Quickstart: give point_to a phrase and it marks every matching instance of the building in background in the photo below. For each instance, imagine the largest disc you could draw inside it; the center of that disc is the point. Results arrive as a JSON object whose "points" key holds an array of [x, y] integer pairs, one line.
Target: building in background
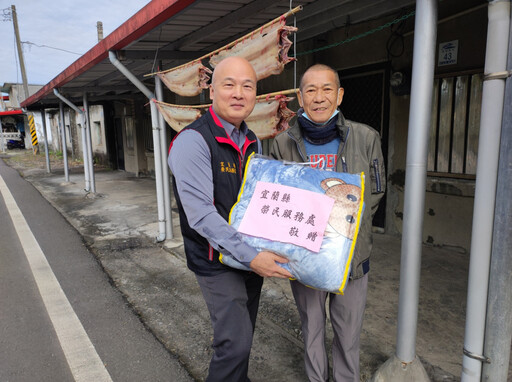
{"points": [[370, 47], [12, 117]]}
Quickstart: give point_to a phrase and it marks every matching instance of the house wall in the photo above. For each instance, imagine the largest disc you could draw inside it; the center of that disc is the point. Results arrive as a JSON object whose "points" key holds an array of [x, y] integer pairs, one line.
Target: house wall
{"points": [[52, 125], [143, 154], [17, 94], [148, 138], [54, 132], [133, 142], [144, 137], [98, 136], [72, 134], [449, 201], [74, 130]]}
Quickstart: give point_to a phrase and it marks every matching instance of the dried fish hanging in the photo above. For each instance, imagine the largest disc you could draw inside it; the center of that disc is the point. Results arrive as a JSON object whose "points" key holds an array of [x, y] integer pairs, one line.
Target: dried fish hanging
{"points": [[188, 80], [269, 117], [266, 48], [177, 116]]}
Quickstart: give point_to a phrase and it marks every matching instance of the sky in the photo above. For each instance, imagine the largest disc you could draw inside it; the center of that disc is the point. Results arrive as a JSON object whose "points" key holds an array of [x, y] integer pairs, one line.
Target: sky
{"points": [[69, 25]]}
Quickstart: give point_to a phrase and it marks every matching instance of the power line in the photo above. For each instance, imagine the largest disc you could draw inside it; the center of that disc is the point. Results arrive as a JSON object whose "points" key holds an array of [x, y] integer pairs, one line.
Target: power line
{"points": [[364, 34], [6, 14], [50, 47]]}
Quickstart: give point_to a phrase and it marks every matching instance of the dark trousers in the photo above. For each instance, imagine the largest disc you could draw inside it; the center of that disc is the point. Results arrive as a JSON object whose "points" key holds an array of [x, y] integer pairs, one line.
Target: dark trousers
{"points": [[232, 298]]}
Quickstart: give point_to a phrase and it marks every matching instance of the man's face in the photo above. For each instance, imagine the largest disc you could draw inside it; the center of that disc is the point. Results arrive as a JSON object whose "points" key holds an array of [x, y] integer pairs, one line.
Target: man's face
{"points": [[320, 95], [233, 90]]}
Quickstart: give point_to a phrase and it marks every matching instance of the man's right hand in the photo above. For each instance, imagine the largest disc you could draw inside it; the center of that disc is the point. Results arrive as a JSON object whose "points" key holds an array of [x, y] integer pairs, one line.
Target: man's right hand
{"points": [[265, 265]]}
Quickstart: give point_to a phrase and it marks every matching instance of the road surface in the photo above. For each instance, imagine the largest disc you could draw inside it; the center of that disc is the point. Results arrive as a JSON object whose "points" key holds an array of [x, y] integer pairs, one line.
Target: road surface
{"points": [[60, 317]]}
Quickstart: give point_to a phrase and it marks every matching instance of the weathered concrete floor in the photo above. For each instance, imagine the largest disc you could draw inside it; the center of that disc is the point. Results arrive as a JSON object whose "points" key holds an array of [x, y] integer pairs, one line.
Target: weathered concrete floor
{"points": [[119, 225]]}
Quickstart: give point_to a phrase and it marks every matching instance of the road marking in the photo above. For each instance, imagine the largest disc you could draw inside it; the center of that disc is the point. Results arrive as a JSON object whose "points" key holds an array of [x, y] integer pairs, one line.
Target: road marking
{"points": [[83, 360]]}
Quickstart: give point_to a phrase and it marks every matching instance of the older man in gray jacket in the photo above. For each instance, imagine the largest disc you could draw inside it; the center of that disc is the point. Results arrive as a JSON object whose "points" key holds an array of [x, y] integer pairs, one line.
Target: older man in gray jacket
{"points": [[322, 136]]}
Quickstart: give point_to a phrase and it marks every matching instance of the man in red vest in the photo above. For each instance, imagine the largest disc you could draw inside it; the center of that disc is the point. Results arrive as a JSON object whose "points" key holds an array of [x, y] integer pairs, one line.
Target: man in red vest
{"points": [[207, 160]]}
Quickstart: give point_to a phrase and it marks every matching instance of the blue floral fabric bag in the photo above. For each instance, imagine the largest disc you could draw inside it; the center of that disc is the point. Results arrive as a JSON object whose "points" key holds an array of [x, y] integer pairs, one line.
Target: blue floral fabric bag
{"points": [[328, 268]]}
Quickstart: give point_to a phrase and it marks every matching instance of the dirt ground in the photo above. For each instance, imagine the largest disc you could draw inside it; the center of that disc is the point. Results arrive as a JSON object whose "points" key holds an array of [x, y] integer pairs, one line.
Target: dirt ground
{"points": [[443, 284]]}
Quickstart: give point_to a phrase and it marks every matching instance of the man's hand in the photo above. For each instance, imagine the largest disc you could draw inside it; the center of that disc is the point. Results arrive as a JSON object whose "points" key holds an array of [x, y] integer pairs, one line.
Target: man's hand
{"points": [[265, 265]]}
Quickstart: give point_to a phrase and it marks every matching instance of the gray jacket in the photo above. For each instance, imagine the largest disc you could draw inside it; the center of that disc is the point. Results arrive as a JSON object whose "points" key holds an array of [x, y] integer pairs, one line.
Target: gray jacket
{"points": [[359, 151]]}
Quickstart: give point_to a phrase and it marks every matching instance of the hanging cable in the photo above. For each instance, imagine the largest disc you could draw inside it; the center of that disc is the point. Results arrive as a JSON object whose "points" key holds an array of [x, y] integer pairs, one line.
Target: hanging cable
{"points": [[49, 47], [156, 52], [361, 35], [395, 44], [6, 14], [294, 48]]}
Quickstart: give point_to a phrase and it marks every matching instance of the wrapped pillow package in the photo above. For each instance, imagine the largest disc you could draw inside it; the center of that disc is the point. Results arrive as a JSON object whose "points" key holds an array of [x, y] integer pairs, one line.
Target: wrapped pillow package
{"points": [[307, 215]]}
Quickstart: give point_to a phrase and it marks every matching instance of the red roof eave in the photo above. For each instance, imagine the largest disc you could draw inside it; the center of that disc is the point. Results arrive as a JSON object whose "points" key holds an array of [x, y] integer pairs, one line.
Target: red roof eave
{"points": [[145, 20], [11, 112]]}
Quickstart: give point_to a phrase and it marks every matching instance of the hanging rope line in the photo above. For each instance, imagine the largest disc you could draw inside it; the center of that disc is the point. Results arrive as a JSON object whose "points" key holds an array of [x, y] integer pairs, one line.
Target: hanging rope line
{"points": [[294, 48], [265, 97], [50, 47], [6, 14], [361, 35], [233, 43]]}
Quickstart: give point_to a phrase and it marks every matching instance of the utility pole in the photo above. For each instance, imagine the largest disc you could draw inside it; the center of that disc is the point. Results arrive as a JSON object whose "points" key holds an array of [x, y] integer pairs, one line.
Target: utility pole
{"points": [[2, 144], [99, 28], [20, 51]]}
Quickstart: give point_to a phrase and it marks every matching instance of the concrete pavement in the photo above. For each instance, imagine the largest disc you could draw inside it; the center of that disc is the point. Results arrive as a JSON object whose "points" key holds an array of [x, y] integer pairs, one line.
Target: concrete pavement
{"points": [[119, 224]]}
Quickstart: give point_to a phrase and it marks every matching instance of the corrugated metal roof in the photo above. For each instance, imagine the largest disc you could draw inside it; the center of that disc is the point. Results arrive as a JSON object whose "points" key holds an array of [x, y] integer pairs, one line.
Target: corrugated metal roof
{"points": [[177, 31]]}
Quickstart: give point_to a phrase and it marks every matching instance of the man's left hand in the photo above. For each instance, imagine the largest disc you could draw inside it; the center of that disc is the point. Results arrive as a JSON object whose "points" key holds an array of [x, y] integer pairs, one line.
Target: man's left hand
{"points": [[265, 265]]}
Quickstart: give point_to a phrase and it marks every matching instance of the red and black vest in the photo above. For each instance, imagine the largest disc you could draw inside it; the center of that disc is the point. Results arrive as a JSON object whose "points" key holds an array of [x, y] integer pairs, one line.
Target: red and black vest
{"points": [[228, 165]]}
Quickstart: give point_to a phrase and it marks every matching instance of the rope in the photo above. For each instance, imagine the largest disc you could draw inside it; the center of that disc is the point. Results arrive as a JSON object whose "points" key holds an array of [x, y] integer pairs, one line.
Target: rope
{"points": [[49, 47], [264, 97], [361, 35], [294, 48], [281, 19]]}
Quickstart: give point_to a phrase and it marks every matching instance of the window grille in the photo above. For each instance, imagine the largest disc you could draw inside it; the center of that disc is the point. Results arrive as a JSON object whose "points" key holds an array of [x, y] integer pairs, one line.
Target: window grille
{"points": [[453, 142], [363, 99], [147, 133]]}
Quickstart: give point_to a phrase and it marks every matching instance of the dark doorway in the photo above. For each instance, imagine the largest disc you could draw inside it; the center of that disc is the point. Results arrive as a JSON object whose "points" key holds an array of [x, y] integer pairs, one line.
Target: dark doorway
{"points": [[118, 133], [114, 137], [366, 100]]}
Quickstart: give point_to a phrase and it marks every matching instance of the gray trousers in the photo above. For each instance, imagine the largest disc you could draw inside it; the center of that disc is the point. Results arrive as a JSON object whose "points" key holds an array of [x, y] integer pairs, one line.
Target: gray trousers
{"points": [[232, 298], [346, 314]]}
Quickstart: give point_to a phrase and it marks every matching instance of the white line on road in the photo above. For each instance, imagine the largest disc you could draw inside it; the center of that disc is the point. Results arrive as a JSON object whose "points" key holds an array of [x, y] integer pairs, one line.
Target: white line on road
{"points": [[83, 360]]}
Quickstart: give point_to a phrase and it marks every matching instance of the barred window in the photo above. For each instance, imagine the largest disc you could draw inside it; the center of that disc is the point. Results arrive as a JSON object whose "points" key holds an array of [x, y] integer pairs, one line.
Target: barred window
{"points": [[453, 145], [147, 130]]}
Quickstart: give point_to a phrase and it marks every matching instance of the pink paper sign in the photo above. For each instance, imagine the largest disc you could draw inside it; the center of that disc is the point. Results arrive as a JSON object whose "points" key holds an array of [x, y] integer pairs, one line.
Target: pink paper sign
{"points": [[287, 214]]}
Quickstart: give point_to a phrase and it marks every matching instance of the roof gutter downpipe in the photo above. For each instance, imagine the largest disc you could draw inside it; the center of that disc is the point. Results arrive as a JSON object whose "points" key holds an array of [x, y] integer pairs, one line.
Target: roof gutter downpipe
{"points": [[46, 149], [498, 328], [2, 146], [165, 167], [405, 366], [84, 145], [485, 188], [88, 142], [156, 141]]}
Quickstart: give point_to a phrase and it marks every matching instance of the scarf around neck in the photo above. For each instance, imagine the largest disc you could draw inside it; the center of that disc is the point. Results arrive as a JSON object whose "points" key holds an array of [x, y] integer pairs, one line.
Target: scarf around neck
{"points": [[315, 133]]}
